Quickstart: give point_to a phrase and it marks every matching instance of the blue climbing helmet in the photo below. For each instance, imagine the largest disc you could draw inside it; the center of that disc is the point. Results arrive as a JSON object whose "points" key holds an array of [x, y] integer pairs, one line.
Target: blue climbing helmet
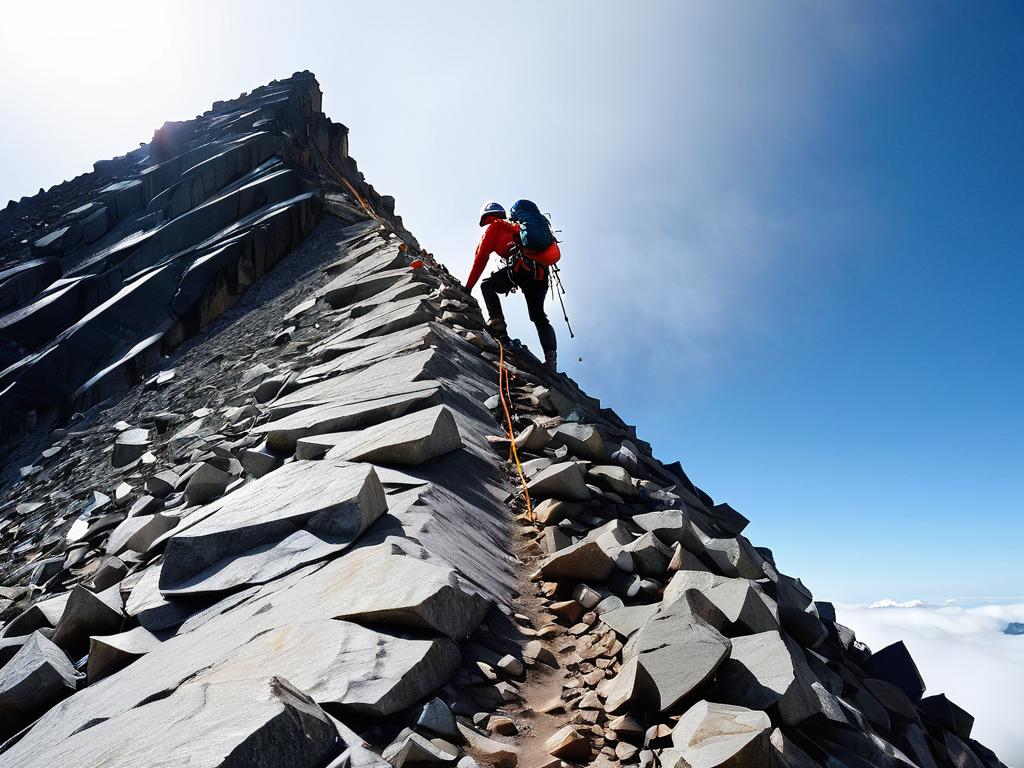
{"points": [[491, 208]]}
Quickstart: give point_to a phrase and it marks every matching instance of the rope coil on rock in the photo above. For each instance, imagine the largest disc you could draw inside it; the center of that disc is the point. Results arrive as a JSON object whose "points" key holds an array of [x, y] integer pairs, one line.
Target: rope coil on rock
{"points": [[502, 389]]}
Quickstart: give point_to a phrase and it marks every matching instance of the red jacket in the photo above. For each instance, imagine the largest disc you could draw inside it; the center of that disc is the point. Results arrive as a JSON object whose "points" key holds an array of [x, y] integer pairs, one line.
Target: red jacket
{"points": [[499, 237]]}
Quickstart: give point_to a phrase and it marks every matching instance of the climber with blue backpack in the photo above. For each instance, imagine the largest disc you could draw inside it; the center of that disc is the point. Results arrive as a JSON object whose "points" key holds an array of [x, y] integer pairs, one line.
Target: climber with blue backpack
{"points": [[526, 244]]}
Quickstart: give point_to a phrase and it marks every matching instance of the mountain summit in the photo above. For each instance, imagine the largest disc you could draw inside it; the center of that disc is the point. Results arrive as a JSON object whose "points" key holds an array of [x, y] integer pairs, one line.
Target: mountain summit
{"points": [[275, 497]]}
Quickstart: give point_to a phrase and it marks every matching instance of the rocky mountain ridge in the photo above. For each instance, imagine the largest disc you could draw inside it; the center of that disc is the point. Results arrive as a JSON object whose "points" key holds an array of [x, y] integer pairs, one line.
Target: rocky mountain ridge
{"points": [[268, 516]]}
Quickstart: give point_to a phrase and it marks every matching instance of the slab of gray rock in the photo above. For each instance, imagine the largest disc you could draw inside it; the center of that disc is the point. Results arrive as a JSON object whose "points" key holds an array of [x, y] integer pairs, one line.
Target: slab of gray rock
{"points": [[436, 717], [259, 723], [728, 519], [671, 526], [758, 672], [560, 481], [412, 748], [582, 440], [724, 602], [138, 533], [301, 513], [110, 653], [37, 676], [584, 561], [647, 556], [358, 669], [944, 712], [420, 595], [712, 735], [162, 484], [895, 665], [409, 440], [613, 478], [88, 613], [206, 483], [129, 447], [676, 653], [628, 619]]}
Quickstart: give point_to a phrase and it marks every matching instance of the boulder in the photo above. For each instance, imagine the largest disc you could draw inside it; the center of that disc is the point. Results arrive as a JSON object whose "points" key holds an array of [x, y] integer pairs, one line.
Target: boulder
{"points": [[163, 484], [301, 513], [582, 440], [411, 748], [672, 634], [436, 717], [261, 723], [758, 672], [129, 447], [206, 483], [895, 665], [568, 744], [37, 677], [137, 534], [583, 561], [647, 555], [409, 440], [109, 653], [338, 662], [895, 700], [728, 604], [553, 511], [89, 613], [613, 478], [944, 712], [628, 619], [728, 519], [719, 736], [560, 481], [533, 439]]}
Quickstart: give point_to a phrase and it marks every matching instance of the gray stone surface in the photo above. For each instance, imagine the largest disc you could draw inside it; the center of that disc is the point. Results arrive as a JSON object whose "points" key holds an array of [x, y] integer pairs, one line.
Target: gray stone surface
{"points": [[265, 722], [87, 613], [206, 483], [409, 440], [436, 717], [719, 736], [944, 712], [895, 665], [129, 446], [612, 478], [671, 635], [582, 440], [723, 601], [584, 561], [298, 514], [109, 653], [758, 672], [560, 481], [36, 677]]}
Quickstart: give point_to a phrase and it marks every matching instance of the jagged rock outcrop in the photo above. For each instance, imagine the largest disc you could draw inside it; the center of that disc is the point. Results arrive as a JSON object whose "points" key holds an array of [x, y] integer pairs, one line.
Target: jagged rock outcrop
{"points": [[298, 541]]}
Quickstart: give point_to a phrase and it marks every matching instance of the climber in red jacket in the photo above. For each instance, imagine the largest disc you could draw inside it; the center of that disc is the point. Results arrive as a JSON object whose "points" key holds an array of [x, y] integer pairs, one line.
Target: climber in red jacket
{"points": [[523, 269]]}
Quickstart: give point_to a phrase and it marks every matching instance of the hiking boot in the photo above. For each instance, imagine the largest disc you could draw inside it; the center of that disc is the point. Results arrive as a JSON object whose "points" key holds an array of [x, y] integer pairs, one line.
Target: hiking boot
{"points": [[551, 361], [498, 328]]}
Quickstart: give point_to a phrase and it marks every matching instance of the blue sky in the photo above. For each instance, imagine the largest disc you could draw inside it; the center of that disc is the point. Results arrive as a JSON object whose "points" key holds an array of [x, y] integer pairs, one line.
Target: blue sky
{"points": [[792, 231]]}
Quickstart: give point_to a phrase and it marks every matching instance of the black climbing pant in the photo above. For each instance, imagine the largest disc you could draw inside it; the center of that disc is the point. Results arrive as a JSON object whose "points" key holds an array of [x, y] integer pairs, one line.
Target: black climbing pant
{"points": [[503, 282]]}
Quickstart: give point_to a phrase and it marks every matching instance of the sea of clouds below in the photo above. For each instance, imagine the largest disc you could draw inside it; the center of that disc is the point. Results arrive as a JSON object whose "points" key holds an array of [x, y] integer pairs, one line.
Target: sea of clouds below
{"points": [[962, 651]]}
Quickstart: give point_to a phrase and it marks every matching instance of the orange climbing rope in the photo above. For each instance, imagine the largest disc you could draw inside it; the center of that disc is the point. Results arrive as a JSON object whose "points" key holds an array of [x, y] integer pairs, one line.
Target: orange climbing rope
{"points": [[502, 385]]}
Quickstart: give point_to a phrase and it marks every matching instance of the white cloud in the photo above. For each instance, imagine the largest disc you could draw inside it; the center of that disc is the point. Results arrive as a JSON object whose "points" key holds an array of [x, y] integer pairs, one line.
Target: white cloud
{"points": [[962, 652]]}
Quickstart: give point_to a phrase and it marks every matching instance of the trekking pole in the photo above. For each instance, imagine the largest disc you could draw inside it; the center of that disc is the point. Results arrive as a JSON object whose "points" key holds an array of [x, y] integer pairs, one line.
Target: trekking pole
{"points": [[561, 291]]}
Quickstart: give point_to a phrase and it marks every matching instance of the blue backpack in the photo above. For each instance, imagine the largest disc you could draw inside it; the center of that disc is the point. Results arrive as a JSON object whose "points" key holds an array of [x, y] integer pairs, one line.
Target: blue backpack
{"points": [[534, 228]]}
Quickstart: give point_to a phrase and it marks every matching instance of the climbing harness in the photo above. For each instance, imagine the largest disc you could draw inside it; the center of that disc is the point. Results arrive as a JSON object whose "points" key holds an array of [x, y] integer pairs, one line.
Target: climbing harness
{"points": [[506, 397]]}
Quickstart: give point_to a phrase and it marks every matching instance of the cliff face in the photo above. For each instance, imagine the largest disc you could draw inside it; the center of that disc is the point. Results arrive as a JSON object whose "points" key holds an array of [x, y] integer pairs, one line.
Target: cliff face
{"points": [[290, 534], [102, 275]]}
